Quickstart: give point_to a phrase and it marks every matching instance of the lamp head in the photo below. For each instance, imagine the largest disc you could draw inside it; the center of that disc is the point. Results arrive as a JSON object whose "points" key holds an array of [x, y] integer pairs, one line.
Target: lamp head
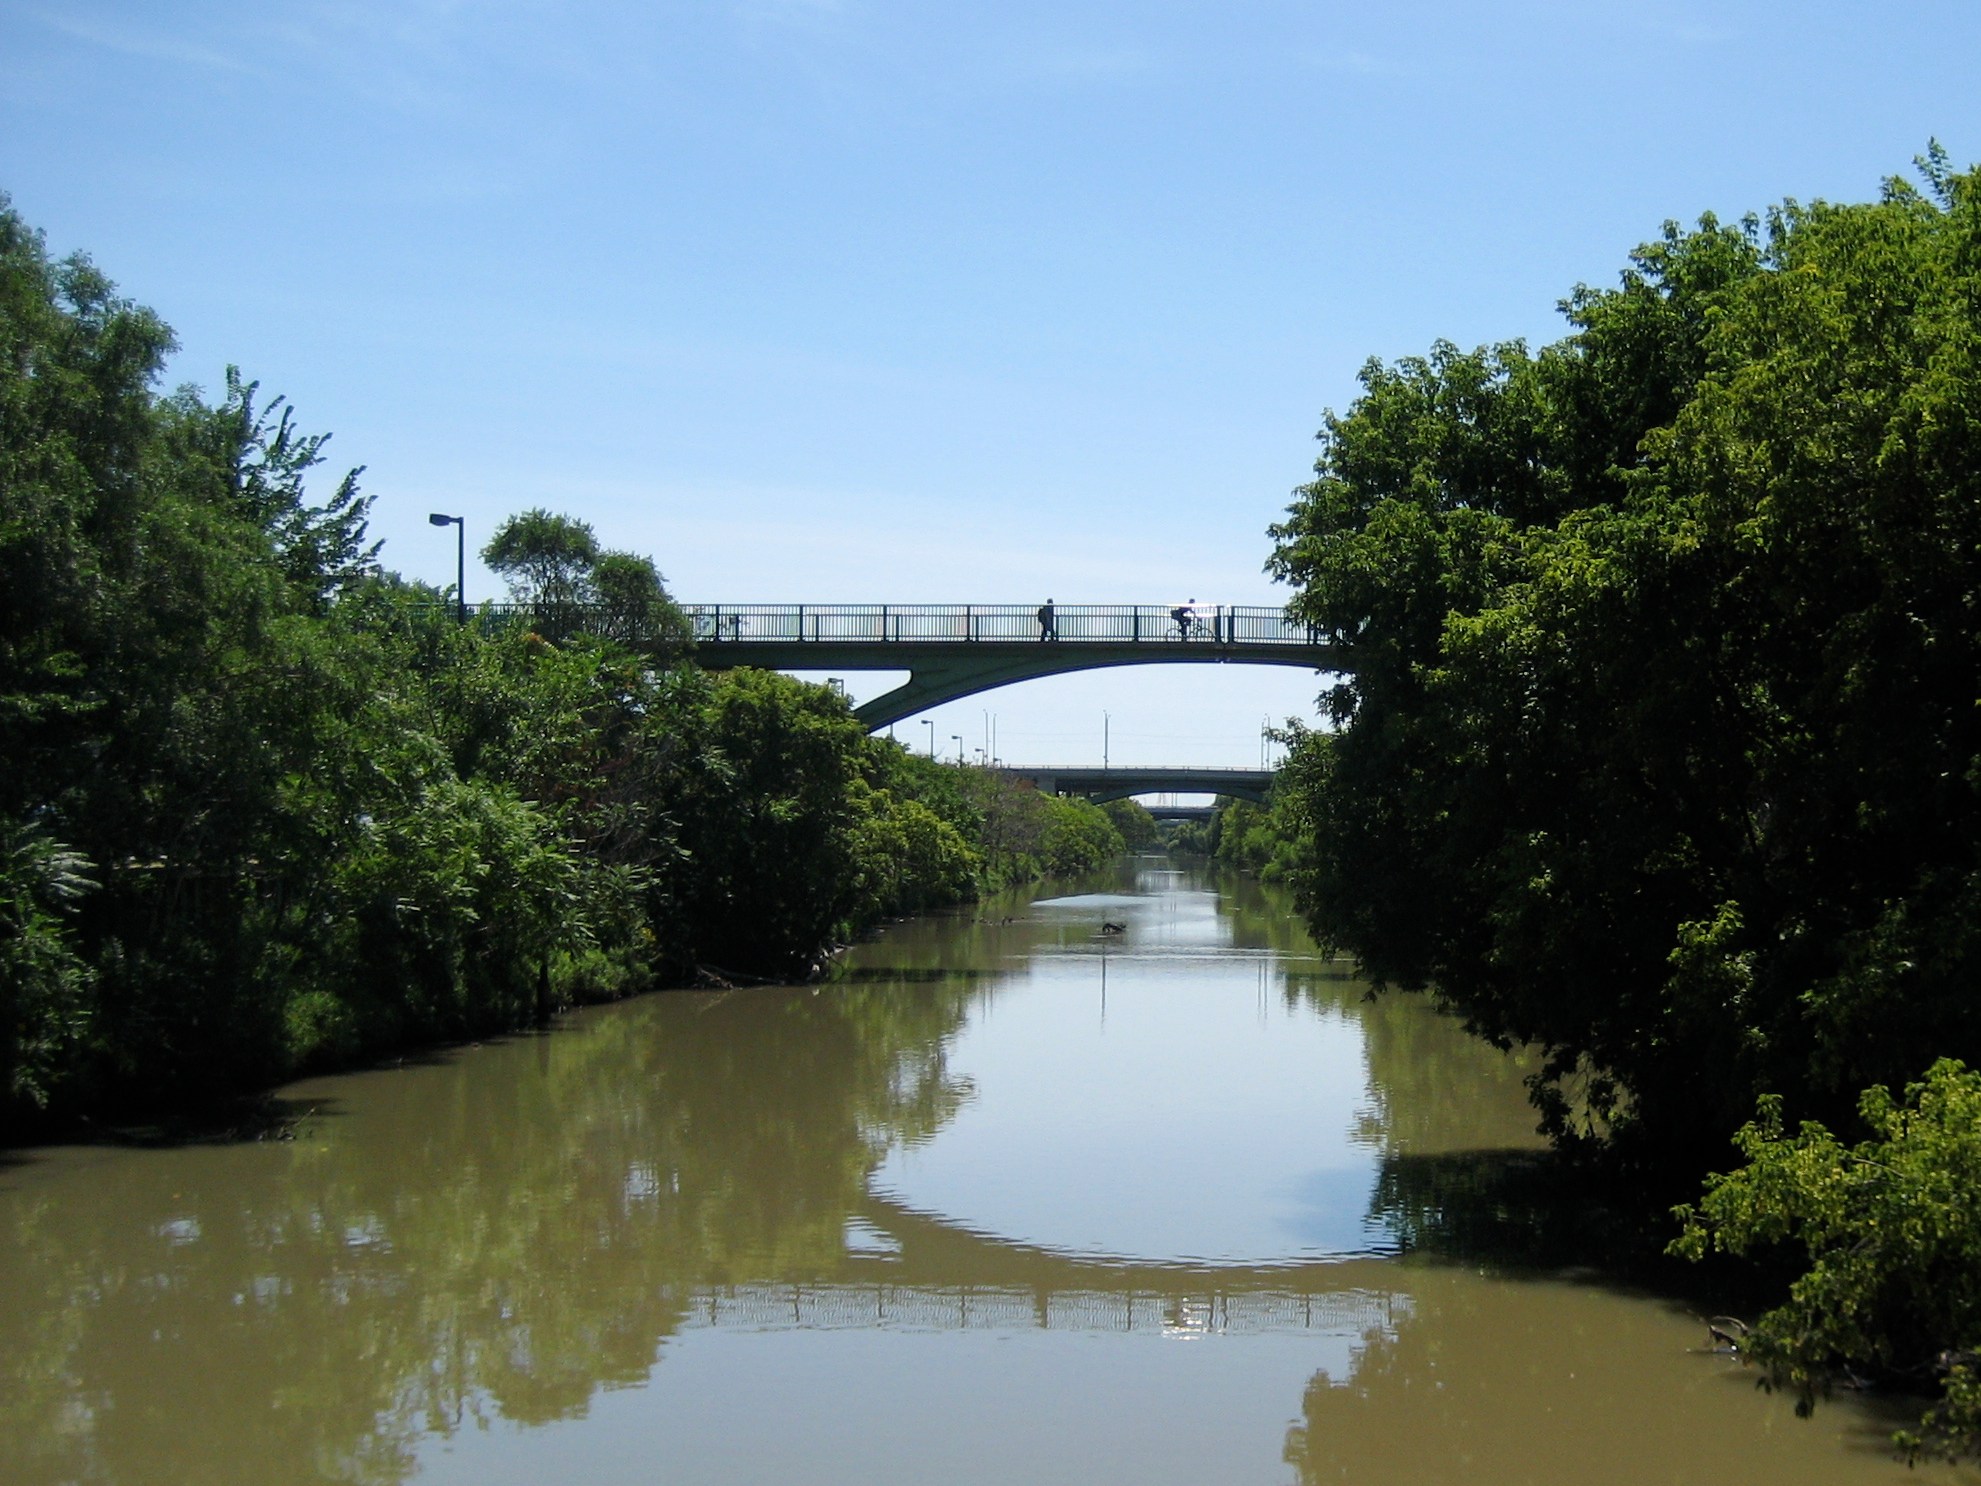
{"points": [[436, 519]]}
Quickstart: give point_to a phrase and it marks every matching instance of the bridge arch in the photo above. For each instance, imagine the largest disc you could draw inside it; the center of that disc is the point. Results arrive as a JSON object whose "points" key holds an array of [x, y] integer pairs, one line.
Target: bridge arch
{"points": [[952, 651]]}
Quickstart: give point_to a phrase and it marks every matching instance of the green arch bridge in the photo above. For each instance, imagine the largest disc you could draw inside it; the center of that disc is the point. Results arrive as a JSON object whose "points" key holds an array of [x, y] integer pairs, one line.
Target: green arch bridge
{"points": [[952, 651]]}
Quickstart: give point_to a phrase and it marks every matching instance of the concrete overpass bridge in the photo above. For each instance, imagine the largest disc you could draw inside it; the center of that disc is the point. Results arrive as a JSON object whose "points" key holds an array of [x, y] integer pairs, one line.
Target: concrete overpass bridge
{"points": [[1183, 812], [1103, 784], [953, 651]]}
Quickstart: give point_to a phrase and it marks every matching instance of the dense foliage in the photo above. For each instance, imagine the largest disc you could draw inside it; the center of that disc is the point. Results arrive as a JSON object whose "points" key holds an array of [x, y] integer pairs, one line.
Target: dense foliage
{"points": [[1661, 744], [1025, 835], [268, 807], [1661, 749], [1892, 1230], [569, 583], [1263, 839], [1138, 828]]}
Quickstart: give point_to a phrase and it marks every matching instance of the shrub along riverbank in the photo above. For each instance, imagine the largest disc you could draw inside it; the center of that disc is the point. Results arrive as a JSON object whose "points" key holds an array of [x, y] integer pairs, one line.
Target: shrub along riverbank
{"points": [[269, 808], [1662, 747]]}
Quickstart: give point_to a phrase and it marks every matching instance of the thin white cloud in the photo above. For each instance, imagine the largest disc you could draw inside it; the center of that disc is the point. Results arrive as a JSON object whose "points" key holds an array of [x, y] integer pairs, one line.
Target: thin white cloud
{"points": [[152, 45]]}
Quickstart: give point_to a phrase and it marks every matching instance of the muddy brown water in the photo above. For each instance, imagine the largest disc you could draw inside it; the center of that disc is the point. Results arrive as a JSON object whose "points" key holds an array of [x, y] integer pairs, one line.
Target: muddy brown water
{"points": [[1015, 1200]]}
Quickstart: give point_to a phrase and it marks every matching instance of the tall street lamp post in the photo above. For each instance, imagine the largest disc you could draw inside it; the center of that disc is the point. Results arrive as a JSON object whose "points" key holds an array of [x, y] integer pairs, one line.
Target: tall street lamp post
{"points": [[460, 526], [929, 723]]}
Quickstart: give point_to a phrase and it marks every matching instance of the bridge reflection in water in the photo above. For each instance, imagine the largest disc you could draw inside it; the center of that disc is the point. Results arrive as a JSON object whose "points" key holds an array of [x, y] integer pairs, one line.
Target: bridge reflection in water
{"points": [[1351, 1313], [909, 1270]]}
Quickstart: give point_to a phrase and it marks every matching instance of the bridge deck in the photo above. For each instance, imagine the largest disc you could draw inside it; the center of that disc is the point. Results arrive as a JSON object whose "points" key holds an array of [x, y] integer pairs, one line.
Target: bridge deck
{"points": [[953, 651], [956, 650], [1117, 783], [923, 624]]}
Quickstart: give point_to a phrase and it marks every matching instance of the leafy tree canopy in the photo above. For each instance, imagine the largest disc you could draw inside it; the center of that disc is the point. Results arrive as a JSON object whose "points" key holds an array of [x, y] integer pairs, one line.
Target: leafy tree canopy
{"points": [[1892, 1233], [1661, 747], [555, 565], [543, 557]]}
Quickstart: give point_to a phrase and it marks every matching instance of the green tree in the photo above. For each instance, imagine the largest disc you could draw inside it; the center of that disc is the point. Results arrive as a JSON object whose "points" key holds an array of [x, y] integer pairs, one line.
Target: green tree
{"points": [[1261, 838], [546, 559], [1077, 837], [238, 829], [322, 550], [910, 858], [555, 565], [1660, 749], [1189, 837], [633, 606], [1136, 826], [768, 821], [1891, 1227], [44, 984]]}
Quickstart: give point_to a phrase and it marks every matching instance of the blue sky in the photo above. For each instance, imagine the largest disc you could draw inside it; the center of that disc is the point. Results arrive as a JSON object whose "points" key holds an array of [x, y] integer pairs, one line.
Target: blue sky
{"points": [[862, 300]]}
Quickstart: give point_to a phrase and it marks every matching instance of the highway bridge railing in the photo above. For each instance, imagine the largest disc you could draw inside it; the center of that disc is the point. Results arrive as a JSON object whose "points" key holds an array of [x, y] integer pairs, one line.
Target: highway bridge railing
{"points": [[887, 624]]}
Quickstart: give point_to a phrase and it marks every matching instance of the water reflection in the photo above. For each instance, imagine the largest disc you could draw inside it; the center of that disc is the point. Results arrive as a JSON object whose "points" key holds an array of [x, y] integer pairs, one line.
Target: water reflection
{"points": [[501, 1235], [1560, 1381], [708, 1230], [1172, 1073]]}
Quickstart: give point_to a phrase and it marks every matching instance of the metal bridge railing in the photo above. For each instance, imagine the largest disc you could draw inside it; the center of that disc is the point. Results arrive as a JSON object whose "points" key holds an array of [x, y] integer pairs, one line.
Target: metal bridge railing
{"points": [[1113, 624]]}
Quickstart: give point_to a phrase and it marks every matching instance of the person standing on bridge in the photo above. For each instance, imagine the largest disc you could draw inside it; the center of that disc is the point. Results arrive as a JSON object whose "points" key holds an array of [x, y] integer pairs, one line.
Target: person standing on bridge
{"points": [[1048, 623]]}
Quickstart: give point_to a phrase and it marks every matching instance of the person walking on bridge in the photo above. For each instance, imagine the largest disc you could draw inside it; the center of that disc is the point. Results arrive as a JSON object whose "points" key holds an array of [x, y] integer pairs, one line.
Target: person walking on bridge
{"points": [[1048, 625]]}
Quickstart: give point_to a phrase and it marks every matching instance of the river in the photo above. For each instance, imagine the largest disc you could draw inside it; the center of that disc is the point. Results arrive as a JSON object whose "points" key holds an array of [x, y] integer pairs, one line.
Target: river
{"points": [[1015, 1199]]}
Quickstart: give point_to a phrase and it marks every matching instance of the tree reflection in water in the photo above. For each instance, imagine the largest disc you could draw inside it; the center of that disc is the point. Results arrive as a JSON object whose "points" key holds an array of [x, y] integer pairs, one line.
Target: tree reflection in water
{"points": [[1536, 1332], [501, 1236]]}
